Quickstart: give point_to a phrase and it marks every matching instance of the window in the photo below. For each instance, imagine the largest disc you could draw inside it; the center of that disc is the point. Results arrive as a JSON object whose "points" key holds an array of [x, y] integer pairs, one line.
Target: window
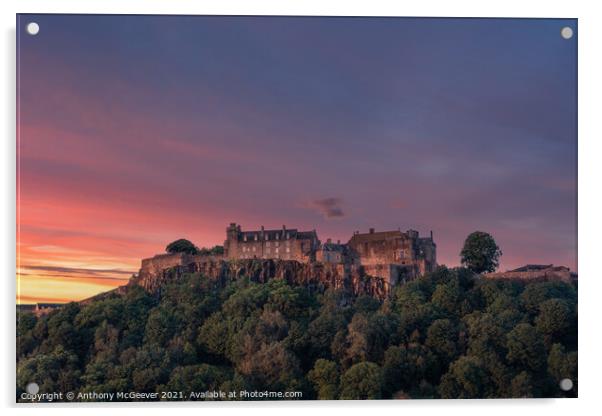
{"points": [[267, 244], [277, 250], [277, 244], [255, 237], [254, 248], [267, 250], [287, 236], [288, 250], [245, 238]]}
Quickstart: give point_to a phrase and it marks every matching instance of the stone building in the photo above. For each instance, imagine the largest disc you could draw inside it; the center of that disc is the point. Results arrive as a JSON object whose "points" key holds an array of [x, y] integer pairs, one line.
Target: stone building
{"points": [[391, 256], [536, 272], [334, 253], [283, 244], [394, 255]]}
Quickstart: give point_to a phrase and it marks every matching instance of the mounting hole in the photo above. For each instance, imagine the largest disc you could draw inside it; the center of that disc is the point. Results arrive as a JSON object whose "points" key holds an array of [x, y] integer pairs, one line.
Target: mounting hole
{"points": [[566, 32], [32, 388], [566, 384], [32, 28]]}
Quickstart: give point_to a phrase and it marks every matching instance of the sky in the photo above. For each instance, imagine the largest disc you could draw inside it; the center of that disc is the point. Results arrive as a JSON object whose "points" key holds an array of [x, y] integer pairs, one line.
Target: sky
{"points": [[134, 131]]}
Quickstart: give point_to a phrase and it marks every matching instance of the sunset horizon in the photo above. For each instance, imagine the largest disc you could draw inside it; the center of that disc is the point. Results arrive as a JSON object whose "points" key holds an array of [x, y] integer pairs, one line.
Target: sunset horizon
{"points": [[133, 137]]}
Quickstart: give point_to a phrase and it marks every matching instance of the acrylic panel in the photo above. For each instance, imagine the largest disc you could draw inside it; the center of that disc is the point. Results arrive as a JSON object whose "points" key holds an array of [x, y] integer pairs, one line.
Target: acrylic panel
{"points": [[295, 208]]}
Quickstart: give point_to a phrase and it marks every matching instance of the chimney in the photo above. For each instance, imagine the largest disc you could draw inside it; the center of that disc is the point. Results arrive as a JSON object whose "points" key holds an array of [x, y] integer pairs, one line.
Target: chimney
{"points": [[328, 241], [283, 227], [371, 230], [431, 234], [338, 241]]}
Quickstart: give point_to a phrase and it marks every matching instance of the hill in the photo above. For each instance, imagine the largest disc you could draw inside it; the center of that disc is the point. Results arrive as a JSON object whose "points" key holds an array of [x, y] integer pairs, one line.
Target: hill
{"points": [[449, 334]]}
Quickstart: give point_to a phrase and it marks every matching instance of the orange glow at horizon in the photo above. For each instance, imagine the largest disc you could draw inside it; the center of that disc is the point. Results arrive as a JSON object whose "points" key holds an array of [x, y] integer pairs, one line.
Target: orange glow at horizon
{"points": [[56, 263]]}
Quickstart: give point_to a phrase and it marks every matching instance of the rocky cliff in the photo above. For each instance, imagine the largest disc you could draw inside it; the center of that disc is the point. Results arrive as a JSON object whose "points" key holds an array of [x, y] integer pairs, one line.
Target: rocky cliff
{"points": [[155, 272]]}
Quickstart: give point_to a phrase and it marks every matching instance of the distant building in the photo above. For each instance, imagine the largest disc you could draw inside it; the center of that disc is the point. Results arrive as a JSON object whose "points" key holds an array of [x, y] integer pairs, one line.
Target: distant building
{"points": [[282, 244], [46, 308], [394, 255], [38, 309], [536, 272]]}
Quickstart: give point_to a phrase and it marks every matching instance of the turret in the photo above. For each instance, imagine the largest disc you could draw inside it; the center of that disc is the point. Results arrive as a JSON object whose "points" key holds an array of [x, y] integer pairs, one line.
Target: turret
{"points": [[231, 243]]}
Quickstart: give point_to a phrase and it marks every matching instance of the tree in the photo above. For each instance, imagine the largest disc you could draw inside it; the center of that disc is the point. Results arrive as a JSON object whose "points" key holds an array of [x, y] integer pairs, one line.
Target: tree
{"points": [[554, 318], [362, 381], [525, 347], [521, 386], [396, 369], [480, 252], [447, 297], [466, 379], [561, 364], [442, 338], [325, 378], [213, 251], [357, 339], [181, 246], [202, 377]]}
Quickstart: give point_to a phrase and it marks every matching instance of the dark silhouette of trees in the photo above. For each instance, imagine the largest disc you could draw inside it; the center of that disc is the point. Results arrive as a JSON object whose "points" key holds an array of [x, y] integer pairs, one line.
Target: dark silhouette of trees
{"points": [[480, 253], [182, 246]]}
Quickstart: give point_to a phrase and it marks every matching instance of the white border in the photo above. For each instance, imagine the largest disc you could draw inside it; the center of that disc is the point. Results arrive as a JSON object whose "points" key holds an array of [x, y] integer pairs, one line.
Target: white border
{"points": [[590, 175]]}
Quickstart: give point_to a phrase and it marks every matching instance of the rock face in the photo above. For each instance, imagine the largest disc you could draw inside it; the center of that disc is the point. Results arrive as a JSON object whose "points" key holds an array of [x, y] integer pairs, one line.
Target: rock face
{"points": [[157, 271]]}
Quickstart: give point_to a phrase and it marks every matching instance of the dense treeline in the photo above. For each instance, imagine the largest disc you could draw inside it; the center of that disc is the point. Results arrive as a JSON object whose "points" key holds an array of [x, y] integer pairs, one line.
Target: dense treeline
{"points": [[450, 334]]}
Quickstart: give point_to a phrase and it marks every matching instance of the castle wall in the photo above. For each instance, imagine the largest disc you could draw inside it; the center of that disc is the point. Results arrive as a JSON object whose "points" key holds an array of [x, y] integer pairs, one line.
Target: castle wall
{"points": [[160, 262], [163, 261]]}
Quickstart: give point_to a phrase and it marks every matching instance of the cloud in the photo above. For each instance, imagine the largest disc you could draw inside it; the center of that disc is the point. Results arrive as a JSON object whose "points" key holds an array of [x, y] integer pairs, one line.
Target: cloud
{"points": [[70, 270], [329, 207]]}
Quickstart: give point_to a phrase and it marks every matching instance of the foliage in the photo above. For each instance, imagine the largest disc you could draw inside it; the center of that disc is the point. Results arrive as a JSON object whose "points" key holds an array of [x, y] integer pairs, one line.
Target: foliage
{"points": [[181, 246], [213, 251], [362, 381], [450, 334], [480, 252]]}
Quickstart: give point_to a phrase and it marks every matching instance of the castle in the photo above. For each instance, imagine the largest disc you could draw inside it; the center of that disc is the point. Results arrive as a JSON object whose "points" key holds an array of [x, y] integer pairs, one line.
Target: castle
{"points": [[391, 255], [283, 244]]}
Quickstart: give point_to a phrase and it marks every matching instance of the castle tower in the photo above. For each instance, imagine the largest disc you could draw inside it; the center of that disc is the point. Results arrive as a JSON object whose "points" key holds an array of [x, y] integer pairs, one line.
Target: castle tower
{"points": [[231, 243]]}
